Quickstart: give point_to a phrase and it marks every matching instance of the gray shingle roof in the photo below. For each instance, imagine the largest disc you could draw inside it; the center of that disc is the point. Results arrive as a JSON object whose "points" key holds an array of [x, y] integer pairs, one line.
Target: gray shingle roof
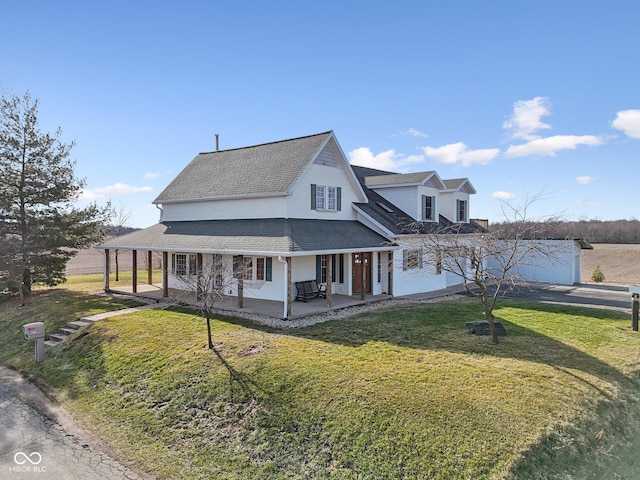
{"points": [[399, 222], [397, 178], [270, 168], [458, 183], [267, 236]]}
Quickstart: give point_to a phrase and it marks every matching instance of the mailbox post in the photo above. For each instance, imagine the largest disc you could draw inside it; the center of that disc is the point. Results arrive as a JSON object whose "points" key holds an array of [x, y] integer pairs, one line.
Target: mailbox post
{"points": [[35, 331], [634, 290]]}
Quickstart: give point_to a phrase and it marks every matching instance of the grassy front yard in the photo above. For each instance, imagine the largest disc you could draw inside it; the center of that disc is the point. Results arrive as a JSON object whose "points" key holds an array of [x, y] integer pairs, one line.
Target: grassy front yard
{"points": [[398, 393]]}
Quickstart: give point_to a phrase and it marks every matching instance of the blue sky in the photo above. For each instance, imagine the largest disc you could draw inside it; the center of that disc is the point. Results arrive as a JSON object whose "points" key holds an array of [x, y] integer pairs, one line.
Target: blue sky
{"points": [[522, 97]]}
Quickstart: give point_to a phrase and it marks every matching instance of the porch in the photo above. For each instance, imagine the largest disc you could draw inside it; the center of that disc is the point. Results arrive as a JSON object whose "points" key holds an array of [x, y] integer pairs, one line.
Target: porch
{"points": [[253, 306]]}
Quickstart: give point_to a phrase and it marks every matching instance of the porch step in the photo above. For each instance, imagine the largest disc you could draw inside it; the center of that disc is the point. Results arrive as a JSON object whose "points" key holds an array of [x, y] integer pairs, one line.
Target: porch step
{"points": [[79, 324], [57, 337], [72, 327]]}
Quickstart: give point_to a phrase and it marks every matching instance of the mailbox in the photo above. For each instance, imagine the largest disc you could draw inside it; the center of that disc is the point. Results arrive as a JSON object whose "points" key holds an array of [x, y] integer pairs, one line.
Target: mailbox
{"points": [[33, 331], [634, 289]]}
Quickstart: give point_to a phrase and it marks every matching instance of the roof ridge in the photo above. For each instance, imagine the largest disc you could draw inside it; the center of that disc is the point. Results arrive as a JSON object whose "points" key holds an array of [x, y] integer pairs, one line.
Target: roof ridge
{"points": [[268, 143]]}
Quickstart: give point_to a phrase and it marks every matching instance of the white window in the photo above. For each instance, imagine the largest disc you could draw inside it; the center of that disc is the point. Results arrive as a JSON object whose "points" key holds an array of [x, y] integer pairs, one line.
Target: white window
{"points": [[411, 259], [326, 198], [331, 198], [184, 264], [462, 211], [254, 269], [429, 208]]}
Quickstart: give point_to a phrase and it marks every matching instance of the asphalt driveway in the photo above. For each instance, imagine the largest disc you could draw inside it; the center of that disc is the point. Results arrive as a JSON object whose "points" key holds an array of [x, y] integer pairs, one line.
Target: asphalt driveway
{"points": [[589, 295], [38, 440]]}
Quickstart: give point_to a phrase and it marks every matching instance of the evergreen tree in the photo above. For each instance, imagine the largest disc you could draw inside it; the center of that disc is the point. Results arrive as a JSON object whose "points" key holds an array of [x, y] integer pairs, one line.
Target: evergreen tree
{"points": [[40, 228]]}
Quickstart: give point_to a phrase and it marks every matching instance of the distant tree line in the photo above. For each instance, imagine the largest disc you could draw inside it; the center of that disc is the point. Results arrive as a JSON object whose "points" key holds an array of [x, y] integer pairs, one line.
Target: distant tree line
{"points": [[594, 231]]}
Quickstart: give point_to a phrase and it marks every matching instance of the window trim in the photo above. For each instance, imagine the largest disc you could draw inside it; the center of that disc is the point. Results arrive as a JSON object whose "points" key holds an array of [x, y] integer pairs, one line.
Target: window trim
{"points": [[326, 198], [429, 202], [462, 206]]}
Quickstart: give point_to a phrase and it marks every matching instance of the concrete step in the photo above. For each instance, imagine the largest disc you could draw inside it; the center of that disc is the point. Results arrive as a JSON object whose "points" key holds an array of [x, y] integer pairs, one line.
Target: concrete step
{"points": [[93, 319], [78, 324], [57, 337], [67, 331]]}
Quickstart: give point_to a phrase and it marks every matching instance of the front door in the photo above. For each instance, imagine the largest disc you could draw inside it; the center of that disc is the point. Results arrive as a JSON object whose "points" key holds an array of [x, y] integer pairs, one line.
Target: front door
{"points": [[361, 266]]}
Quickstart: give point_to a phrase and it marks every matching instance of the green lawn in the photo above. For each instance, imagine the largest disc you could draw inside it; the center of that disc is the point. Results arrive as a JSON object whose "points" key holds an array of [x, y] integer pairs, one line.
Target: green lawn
{"points": [[403, 392]]}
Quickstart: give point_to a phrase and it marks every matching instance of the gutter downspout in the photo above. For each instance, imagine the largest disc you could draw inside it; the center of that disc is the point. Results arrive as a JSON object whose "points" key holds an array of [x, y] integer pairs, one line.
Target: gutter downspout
{"points": [[286, 286], [161, 211]]}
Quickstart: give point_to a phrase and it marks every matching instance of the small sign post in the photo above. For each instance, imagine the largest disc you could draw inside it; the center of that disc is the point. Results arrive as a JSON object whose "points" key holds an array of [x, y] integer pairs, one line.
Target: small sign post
{"points": [[634, 290]]}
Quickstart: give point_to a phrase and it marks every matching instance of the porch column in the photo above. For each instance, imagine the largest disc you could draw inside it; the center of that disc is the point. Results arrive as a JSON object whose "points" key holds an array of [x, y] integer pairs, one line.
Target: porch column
{"points": [[240, 281], [165, 274], [134, 261], [150, 267], [363, 266], [288, 299], [107, 268], [199, 276], [329, 258], [390, 273]]}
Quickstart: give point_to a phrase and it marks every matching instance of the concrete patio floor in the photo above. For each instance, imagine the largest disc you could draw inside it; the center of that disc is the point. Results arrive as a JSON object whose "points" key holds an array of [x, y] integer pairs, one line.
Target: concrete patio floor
{"points": [[275, 309]]}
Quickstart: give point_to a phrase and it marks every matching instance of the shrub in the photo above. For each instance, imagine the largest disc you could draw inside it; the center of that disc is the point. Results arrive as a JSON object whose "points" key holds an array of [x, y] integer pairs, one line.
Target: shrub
{"points": [[597, 275]]}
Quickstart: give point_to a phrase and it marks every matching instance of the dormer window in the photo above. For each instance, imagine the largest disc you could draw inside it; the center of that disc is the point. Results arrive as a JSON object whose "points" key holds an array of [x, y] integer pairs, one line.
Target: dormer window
{"points": [[461, 210], [326, 198], [428, 208]]}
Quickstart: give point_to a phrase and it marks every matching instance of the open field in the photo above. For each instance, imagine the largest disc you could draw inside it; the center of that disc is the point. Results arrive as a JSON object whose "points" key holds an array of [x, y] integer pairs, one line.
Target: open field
{"points": [[620, 263], [403, 392]]}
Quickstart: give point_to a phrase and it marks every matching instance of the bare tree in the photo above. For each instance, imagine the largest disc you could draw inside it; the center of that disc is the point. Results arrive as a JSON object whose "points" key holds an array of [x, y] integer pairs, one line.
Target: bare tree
{"points": [[490, 263], [210, 279]]}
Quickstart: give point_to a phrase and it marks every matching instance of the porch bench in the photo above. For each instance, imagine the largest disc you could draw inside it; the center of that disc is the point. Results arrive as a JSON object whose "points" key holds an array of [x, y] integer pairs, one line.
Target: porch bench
{"points": [[310, 289]]}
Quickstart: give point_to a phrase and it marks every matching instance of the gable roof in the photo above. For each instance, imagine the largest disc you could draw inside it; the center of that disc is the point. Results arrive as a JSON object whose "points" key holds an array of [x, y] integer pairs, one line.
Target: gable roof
{"points": [[387, 179], [268, 236], [459, 185], [261, 170], [397, 221]]}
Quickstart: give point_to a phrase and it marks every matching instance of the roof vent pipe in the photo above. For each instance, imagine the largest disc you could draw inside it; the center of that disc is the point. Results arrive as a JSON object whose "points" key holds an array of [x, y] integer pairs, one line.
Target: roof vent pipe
{"points": [[217, 143]]}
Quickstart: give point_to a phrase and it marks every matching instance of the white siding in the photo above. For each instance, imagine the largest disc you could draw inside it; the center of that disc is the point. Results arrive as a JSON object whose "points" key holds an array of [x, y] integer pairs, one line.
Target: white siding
{"points": [[561, 265], [299, 203], [416, 280], [273, 207], [405, 198], [448, 204]]}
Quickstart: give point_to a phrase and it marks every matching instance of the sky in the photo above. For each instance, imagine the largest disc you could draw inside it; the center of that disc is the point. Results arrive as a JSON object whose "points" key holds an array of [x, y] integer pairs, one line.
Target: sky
{"points": [[528, 99]]}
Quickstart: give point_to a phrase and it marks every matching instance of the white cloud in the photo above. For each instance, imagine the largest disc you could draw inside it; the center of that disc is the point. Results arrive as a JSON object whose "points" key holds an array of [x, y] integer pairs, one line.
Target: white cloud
{"points": [[550, 145], [585, 179], [581, 202], [150, 175], [500, 195], [388, 160], [526, 121], [115, 190], [459, 153], [415, 133], [629, 122]]}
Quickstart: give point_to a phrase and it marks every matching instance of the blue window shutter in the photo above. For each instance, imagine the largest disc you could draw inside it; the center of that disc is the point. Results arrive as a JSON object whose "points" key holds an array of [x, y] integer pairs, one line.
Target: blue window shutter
{"points": [[313, 196], [318, 268], [235, 265], [339, 198], [269, 269], [424, 207], [405, 259]]}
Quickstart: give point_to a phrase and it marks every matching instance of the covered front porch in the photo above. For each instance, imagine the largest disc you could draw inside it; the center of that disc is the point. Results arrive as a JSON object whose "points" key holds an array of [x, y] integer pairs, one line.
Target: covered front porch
{"points": [[259, 263], [254, 306]]}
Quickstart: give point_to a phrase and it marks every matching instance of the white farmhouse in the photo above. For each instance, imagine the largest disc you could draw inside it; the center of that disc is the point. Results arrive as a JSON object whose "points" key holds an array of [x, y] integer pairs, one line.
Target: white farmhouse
{"points": [[295, 210]]}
